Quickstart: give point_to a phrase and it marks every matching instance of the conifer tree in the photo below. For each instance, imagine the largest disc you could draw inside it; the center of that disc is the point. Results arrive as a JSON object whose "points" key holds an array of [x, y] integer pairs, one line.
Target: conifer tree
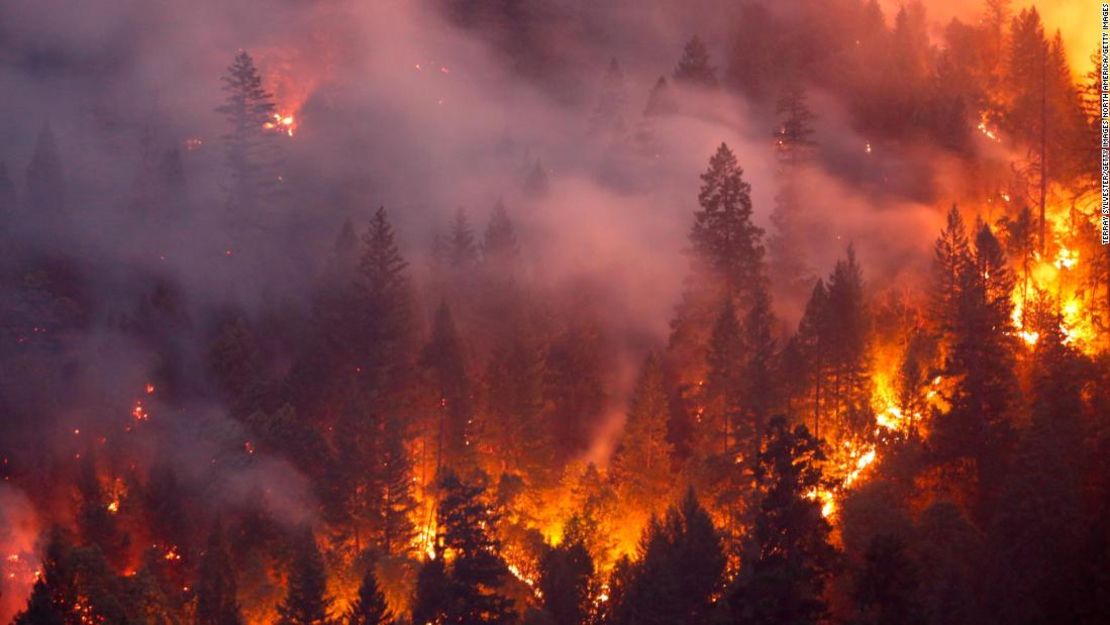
{"points": [[788, 558], [758, 389], [610, 112], [500, 248], [885, 590], [8, 206], [566, 577], [789, 266], [96, 513], [574, 388], [462, 252], [536, 183], [394, 486], [720, 422], [369, 607], [693, 68], [433, 591], [306, 601], [951, 262], [444, 361], [217, 603], [726, 261], [53, 594], [516, 409], [1035, 538], [660, 100], [810, 343], [846, 342], [724, 242], [981, 359], [251, 143], [477, 570], [45, 193], [641, 464], [680, 570]]}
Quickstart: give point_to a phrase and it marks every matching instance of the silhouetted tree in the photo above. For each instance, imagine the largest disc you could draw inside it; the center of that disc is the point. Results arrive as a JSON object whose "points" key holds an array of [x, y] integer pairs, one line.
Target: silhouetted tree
{"points": [[251, 141], [46, 189], [306, 601], [217, 603], [788, 557], [641, 464], [680, 569], [886, 588], [566, 575], [369, 607], [694, 68]]}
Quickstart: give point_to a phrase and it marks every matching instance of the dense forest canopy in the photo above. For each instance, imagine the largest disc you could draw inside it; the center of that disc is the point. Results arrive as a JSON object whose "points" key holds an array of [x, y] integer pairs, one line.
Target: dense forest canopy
{"points": [[552, 312]]}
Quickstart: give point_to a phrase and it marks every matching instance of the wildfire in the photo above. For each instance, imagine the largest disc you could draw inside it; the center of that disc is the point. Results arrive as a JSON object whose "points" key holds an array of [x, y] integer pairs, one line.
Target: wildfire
{"points": [[285, 123], [528, 580], [986, 130]]}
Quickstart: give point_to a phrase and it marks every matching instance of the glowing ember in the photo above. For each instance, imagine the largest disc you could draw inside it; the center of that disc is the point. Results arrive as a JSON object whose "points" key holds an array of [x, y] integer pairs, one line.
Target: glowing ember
{"points": [[285, 123], [986, 130]]}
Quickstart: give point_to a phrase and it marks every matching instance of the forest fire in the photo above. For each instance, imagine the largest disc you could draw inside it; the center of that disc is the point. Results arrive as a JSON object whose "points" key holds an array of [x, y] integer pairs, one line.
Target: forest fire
{"points": [[281, 375], [284, 123]]}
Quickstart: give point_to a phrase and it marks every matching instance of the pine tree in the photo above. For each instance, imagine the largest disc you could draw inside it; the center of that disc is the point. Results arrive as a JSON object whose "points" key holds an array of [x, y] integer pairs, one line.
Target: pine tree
{"points": [[369, 607], [445, 363], [517, 430], [693, 68], [500, 248], [609, 114], [574, 388], [641, 464], [1035, 537], [680, 570], [432, 593], [951, 263], [566, 576], [462, 252], [8, 205], [306, 601], [758, 389], [981, 360], [216, 587], [810, 347], [476, 572], [720, 421], [724, 241], [96, 513], [383, 329], [726, 261], [394, 485], [536, 183], [54, 593], [885, 590], [846, 343], [1020, 236], [252, 144], [788, 557], [45, 196], [948, 549], [660, 100], [789, 267]]}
